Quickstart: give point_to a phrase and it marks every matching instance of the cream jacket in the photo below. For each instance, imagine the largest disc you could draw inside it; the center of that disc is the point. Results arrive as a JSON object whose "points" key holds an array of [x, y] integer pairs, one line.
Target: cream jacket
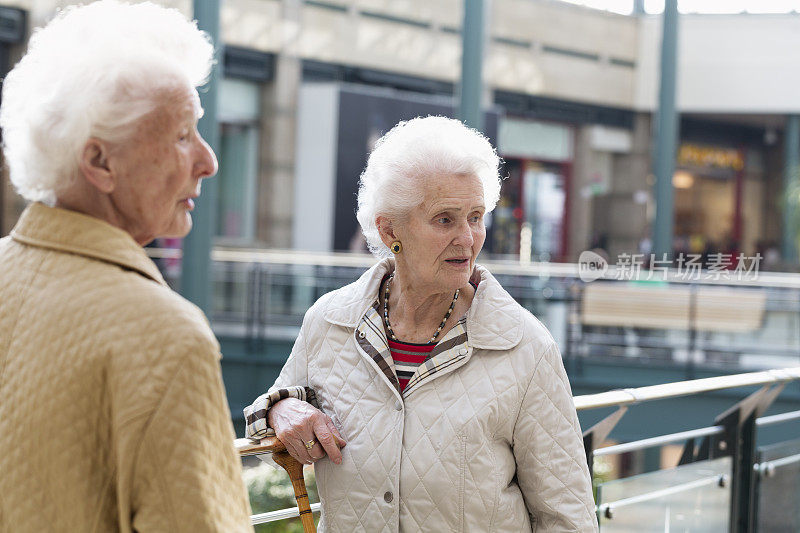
{"points": [[113, 415], [486, 438]]}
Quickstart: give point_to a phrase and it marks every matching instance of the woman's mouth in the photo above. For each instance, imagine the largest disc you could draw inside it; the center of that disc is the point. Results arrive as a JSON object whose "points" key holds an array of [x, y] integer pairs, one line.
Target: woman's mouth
{"points": [[456, 261]]}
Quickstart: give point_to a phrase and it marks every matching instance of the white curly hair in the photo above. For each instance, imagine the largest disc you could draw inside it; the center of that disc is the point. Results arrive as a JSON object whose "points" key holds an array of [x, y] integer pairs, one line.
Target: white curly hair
{"points": [[421, 148], [92, 71]]}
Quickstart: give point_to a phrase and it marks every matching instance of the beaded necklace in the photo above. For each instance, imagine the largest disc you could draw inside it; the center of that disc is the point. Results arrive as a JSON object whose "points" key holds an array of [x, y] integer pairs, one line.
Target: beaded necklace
{"points": [[386, 312]]}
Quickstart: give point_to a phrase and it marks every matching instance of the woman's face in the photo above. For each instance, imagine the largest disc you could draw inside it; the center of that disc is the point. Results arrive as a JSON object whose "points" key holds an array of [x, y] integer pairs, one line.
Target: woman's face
{"points": [[442, 236], [160, 169]]}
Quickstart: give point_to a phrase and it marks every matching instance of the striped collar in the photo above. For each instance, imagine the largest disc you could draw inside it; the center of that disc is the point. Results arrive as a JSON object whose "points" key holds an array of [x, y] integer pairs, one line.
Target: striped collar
{"points": [[448, 354], [494, 321]]}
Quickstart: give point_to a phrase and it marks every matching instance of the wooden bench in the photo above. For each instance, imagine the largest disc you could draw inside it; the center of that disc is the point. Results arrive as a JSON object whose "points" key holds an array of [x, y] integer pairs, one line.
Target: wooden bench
{"points": [[633, 307], [719, 309]]}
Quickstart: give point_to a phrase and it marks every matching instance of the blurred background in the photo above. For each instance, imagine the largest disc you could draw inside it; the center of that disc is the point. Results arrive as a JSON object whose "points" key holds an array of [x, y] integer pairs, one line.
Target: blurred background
{"points": [[624, 130], [569, 95]]}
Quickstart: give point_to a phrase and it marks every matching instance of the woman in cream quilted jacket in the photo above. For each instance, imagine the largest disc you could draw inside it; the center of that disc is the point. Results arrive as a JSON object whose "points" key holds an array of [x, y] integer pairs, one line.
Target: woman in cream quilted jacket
{"points": [[428, 399]]}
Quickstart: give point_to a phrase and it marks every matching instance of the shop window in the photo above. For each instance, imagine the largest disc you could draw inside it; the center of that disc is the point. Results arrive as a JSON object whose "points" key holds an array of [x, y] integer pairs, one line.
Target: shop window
{"points": [[238, 152], [544, 197], [529, 220]]}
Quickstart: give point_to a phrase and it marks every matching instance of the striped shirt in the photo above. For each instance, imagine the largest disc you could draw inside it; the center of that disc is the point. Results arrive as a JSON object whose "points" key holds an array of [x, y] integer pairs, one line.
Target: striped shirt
{"points": [[407, 357]]}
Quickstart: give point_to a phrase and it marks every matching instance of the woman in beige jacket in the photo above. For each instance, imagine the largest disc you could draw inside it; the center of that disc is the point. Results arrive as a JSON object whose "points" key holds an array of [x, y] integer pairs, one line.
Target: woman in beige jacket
{"points": [[440, 403], [107, 377]]}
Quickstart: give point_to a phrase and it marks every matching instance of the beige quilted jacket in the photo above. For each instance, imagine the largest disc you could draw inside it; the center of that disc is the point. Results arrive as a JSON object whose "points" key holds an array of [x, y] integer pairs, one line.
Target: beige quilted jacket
{"points": [[490, 441], [113, 415]]}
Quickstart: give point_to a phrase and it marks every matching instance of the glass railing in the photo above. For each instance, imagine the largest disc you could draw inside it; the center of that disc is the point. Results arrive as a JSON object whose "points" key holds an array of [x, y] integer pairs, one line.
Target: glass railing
{"points": [[694, 497], [779, 487], [726, 477], [725, 323]]}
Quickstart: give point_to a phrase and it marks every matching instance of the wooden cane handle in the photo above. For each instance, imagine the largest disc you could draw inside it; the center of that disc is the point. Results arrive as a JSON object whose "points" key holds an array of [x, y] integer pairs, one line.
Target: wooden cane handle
{"points": [[269, 444], [294, 468]]}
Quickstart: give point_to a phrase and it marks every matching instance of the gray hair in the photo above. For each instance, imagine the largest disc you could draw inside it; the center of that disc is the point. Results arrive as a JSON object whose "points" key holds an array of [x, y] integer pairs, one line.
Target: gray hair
{"points": [[93, 71], [421, 148]]}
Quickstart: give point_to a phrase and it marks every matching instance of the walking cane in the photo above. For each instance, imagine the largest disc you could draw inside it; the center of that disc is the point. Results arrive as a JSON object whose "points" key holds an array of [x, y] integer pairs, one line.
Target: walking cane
{"points": [[293, 467]]}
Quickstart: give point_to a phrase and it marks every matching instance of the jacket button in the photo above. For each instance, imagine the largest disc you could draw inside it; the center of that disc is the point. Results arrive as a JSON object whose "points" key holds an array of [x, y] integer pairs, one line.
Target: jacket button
{"points": [[462, 351], [398, 406], [361, 334], [388, 496]]}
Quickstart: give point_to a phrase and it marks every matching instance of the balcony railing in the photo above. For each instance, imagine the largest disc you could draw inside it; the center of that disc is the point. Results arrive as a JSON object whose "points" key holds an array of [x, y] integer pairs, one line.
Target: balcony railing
{"points": [[722, 324], [725, 479]]}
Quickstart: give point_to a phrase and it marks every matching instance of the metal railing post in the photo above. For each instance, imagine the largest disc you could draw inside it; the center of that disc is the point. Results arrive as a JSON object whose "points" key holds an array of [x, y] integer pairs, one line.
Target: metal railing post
{"points": [[739, 442]]}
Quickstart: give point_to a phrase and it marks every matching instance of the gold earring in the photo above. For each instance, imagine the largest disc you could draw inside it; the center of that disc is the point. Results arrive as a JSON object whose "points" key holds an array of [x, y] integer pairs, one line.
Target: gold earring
{"points": [[396, 247]]}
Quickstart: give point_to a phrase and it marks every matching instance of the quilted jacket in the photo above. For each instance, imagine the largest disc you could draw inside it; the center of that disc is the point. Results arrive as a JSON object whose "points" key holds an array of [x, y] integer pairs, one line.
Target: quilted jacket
{"points": [[113, 415], [486, 441]]}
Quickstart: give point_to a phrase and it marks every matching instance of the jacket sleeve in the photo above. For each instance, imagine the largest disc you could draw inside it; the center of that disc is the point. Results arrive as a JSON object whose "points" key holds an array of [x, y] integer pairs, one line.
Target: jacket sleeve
{"points": [[291, 383], [548, 448], [186, 474]]}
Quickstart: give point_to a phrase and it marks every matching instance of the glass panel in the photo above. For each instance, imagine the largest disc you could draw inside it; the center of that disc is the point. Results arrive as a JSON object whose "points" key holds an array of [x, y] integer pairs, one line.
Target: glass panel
{"points": [[231, 291], [685, 498], [238, 165], [779, 487], [239, 100]]}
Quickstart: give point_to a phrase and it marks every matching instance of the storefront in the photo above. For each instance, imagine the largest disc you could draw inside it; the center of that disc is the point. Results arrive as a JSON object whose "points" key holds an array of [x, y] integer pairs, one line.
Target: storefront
{"points": [[531, 219], [709, 200]]}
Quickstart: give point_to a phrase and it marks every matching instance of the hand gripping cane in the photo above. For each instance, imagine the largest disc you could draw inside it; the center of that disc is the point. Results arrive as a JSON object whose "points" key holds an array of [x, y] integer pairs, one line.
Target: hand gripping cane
{"points": [[293, 467]]}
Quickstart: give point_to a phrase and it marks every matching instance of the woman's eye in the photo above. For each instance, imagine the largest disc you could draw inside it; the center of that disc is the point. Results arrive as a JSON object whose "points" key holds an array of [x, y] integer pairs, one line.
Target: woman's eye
{"points": [[443, 220]]}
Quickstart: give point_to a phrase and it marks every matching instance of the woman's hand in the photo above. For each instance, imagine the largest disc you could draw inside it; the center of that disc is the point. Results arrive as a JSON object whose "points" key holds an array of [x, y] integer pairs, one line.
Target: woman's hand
{"points": [[297, 422]]}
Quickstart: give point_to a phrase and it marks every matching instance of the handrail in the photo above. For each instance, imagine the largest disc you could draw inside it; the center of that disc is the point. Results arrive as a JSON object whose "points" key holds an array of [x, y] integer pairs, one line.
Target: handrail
{"points": [[684, 388], [507, 267], [777, 419], [658, 441], [281, 514]]}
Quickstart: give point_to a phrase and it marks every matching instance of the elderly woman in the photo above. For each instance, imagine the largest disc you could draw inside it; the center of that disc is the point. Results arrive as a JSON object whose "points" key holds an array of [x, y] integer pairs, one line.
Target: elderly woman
{"points": [[441, 404], [111, 371]]}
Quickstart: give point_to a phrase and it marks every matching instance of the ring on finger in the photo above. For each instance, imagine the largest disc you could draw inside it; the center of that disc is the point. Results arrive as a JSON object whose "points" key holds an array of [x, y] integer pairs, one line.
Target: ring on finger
{"points": [[310, 443]]}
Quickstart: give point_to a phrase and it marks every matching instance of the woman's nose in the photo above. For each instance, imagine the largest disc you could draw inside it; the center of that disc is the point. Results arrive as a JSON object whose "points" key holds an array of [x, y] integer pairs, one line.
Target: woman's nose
{"points": [[207, 160], [465, 237]]}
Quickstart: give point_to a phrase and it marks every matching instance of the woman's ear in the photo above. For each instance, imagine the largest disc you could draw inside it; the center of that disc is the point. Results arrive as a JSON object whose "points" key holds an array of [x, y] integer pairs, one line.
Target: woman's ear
{"points": [[94, 165], [386, 230]]}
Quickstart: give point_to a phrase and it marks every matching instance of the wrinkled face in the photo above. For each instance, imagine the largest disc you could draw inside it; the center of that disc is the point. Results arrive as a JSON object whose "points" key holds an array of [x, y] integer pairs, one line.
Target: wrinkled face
{"points": [[442, 237], [158, 171]]}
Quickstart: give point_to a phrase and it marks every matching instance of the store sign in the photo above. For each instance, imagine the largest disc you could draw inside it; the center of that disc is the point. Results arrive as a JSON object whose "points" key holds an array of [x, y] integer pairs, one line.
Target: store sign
{"points": [[530, 139], [615, 140], [710, 157]]}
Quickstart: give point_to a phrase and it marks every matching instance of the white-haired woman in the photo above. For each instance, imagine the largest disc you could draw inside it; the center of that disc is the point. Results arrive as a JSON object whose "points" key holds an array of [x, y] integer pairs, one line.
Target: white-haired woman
{"points": [[441, 404], [114, 371]]}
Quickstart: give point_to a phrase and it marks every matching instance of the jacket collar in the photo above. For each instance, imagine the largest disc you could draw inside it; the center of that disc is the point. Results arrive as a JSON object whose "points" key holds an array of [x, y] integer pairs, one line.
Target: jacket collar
{"points": [[494, 319], [69, 231]]}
